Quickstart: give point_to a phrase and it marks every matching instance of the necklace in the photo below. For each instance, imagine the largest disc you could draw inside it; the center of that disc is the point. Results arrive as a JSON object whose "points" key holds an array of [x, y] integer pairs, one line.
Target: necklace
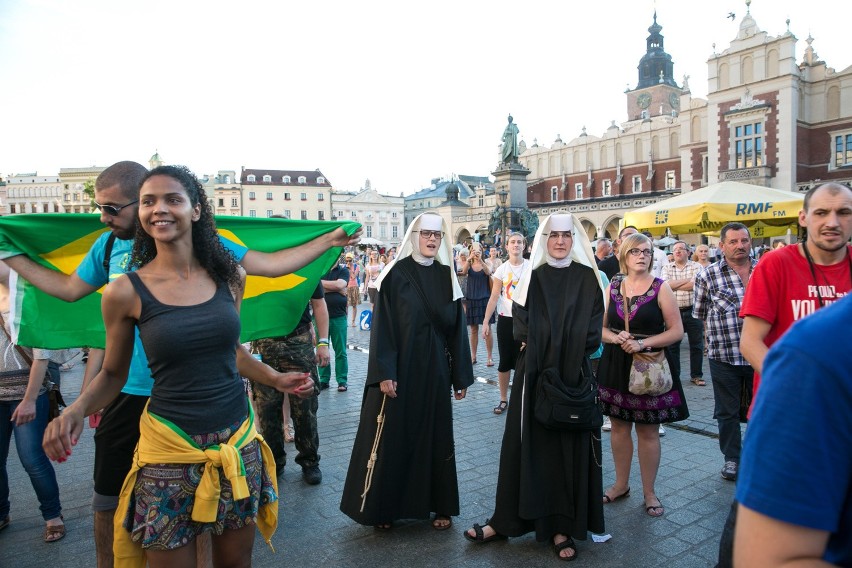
{"points": [[812, 266], [631, 288], [522, 266]]}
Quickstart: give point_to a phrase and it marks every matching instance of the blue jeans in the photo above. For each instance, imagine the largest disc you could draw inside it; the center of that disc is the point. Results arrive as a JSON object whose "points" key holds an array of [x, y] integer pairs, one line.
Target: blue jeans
{"points": [[728, 382], [693, 328], [28, 443]]}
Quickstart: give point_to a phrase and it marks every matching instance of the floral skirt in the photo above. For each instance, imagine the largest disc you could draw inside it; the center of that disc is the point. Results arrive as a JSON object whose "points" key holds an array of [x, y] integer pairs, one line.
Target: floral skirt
{"points": [[160, 512]]}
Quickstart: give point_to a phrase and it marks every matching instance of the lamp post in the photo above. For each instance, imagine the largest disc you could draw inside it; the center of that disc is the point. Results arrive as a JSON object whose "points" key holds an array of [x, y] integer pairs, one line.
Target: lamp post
{"points": [[503, 195]]}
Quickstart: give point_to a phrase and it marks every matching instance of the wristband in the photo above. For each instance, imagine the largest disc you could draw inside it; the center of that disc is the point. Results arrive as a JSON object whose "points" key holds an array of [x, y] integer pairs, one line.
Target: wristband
{"points": [[322, 340]]}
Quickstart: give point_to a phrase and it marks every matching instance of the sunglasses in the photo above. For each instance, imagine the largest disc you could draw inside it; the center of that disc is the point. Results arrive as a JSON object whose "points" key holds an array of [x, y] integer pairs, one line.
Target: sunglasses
{"points": [[112, 210]]}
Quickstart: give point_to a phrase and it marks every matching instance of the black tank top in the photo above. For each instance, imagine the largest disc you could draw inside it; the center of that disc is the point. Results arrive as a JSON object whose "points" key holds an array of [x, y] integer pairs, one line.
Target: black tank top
{"points": [[192, 356]]}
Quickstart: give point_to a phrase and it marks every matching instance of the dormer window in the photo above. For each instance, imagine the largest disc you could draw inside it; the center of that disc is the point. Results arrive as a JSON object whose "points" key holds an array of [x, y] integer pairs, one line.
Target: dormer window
{"points": [[320, 180], [285, 179], [267, 178], [303, 179], [250, 177]]}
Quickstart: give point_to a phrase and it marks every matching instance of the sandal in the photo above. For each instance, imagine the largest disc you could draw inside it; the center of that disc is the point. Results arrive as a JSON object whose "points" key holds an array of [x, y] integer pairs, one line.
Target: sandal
{"points": [[569, 544], [607, 499], [54, 533], [501, 408], [441, 527], [698, 381], [651, 508], [473, 362], [480, 534], [342, 388], [490, 363], [289, 435], [5, 522]]}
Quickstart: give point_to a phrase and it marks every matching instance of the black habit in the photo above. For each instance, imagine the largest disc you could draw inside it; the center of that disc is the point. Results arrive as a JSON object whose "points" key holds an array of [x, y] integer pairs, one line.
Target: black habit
{"points": [[415, 472], [551, 481]]}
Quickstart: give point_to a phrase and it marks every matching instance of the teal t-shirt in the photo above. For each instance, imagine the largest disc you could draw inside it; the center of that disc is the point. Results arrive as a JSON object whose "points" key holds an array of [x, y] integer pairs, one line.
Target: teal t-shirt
{"points": [[91, 271]]}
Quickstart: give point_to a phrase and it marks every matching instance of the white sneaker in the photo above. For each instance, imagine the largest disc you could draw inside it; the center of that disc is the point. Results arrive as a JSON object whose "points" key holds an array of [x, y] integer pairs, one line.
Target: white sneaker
{"points": [[662, 431], [607, 425]]}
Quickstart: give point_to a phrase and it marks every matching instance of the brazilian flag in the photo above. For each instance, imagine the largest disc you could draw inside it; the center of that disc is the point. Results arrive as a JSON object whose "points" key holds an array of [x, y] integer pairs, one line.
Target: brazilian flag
{"points": [[271, 306]]}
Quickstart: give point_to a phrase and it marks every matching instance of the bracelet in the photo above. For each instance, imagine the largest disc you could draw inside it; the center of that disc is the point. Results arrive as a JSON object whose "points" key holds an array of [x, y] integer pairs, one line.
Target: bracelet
{"points": [[322, 344], [323, 340]]}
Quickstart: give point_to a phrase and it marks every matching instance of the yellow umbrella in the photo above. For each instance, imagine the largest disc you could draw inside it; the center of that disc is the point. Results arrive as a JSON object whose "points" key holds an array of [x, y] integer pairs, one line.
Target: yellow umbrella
{"points": [[767, 212]]}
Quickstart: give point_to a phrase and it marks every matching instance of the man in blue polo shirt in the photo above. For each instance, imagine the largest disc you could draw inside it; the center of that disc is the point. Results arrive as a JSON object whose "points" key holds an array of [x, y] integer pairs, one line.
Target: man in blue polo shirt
{"points": [[117, 196]]}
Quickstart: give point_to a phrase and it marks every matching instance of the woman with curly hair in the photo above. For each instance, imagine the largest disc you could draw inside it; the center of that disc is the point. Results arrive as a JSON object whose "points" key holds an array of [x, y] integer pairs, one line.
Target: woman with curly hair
{"points": [[200, 464]]}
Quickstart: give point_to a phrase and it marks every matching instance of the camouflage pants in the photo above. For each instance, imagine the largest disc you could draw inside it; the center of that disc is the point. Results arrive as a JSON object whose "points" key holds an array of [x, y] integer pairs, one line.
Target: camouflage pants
{"points": [[296, 353]]}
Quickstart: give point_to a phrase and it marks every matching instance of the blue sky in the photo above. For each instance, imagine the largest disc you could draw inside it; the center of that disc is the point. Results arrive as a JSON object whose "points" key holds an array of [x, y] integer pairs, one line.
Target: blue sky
{"points": [[391, 91]]}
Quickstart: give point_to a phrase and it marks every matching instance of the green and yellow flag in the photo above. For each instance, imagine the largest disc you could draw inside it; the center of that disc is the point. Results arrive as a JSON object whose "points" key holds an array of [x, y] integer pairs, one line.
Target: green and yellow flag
{"points": [[271, 306]]}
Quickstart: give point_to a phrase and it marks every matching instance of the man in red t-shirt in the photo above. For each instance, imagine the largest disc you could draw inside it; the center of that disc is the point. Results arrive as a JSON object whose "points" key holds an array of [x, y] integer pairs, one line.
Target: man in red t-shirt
{"points": [[791, 282]]}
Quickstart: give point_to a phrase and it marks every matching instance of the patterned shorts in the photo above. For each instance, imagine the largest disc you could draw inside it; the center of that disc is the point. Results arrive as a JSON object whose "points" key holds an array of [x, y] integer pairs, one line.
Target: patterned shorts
{"points": [[160, 513]]}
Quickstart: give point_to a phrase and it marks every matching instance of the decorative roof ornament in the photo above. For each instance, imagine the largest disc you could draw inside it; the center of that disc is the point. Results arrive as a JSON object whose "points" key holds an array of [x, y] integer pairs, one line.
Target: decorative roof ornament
{"points": [[747, 102]]}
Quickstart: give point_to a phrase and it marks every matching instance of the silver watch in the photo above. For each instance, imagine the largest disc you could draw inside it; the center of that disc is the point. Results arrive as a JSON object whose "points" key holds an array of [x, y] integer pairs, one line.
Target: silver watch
{"points": [[641, 344]]}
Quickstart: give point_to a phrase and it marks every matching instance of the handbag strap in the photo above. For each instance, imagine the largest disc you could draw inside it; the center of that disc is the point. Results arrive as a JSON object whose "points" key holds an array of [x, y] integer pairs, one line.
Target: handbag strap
{"points": [[624, 306], [21, 352]]}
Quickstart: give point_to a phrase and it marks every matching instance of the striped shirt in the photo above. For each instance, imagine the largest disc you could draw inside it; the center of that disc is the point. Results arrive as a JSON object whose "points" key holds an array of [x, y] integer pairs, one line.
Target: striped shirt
{"points": [[718, 294]]}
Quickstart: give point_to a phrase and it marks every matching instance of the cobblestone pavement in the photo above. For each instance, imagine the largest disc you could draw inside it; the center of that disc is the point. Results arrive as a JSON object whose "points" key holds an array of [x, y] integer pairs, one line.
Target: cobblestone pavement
{"points": [[312, 530]]}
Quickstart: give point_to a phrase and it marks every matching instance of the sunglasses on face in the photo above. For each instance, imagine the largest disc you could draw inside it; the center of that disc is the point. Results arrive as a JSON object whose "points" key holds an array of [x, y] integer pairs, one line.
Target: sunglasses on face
{"points": [[112, 210]]}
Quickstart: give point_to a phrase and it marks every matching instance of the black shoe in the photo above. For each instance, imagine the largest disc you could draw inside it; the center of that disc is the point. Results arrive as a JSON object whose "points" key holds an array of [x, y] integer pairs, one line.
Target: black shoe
{"points": [[323, 386], [312, 474]]}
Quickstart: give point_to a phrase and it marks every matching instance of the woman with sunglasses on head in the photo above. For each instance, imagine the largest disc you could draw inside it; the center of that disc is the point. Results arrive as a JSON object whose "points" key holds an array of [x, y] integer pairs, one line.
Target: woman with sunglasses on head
{"points": [[403, 459], [654, 322], [200, 465]]}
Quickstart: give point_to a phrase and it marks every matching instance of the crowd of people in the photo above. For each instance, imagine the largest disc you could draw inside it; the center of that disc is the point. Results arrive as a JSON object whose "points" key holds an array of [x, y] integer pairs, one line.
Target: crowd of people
{"points": [[570, 318]]}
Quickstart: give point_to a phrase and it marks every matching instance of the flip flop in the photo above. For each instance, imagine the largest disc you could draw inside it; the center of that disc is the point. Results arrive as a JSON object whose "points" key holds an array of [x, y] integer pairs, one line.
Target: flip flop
{"points": [[490, 363], [698, 381], [342, 388], [607, 499], [650, 508]]}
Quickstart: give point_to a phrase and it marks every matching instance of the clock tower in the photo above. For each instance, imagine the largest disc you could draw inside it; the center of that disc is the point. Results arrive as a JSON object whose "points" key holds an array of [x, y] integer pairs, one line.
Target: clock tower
{"points": [[656, 93]]}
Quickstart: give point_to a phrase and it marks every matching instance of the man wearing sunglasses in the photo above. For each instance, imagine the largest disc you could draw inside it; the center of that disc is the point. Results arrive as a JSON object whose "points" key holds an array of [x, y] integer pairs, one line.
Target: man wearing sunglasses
{"points": [[117, 196]]}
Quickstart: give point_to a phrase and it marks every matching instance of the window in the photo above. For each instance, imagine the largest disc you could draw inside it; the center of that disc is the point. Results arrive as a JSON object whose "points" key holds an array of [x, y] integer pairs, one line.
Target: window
{"points": [[369, 230], [287, 213], [67, 197], [321, 215], [671, 182], [267, 178], [76, 197], [250, 177], [393, 215], [383, 232], [481, 200], [320, 180], [251, 195], [578, 191], [637, 184], [304, 196], [221, 202], [354, 214], [234, 202], [303, 179], [269, 195], [607, 188], [252, 213], [269, 212], [286, 196], [395, 232], [340, 214], [748, 145], [843, 150], [554, 193], [320, 197], [286, 179], [304, 215]]}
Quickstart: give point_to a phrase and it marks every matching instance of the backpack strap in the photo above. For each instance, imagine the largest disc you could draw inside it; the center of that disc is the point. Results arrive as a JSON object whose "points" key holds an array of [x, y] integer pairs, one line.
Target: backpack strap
{"points": [[108, 251]]}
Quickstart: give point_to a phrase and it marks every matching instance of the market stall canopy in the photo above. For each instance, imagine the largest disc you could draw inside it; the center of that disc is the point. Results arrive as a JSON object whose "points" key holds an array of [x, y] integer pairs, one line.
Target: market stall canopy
{"points": [[767, 212], [370, 241]]}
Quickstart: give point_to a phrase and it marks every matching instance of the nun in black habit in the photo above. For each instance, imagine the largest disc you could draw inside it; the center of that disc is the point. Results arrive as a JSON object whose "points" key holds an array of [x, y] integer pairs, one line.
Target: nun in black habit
{"points": [[419, 354], [550, 481]]}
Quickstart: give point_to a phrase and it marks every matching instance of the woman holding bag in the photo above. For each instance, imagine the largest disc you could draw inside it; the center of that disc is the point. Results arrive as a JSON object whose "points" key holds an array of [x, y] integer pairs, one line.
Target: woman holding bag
{"points": [[654, 323]]}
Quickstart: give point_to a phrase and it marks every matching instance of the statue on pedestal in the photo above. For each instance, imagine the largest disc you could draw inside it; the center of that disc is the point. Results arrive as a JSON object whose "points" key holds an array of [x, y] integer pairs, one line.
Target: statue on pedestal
{"points": [[509, 154]]}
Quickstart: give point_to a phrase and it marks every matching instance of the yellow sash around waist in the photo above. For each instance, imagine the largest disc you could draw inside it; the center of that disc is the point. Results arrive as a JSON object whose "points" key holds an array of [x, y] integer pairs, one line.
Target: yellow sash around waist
{"points": [[161, 441]]}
